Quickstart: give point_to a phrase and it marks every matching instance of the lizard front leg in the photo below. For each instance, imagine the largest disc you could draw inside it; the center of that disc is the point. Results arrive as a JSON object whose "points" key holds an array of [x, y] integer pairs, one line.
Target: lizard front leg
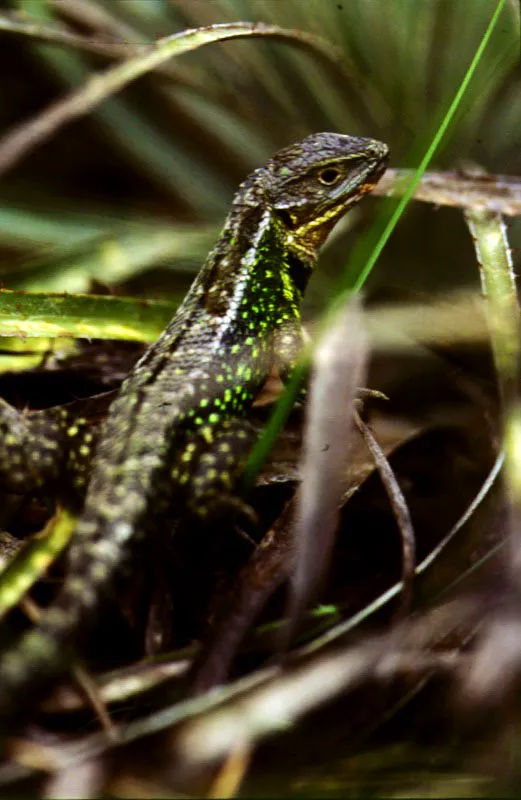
{"points": [[211, 466]]}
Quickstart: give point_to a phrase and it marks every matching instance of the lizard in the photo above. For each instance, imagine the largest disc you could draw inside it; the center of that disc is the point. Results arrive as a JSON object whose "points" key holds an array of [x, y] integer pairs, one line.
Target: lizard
{"points": [[177, 434]]}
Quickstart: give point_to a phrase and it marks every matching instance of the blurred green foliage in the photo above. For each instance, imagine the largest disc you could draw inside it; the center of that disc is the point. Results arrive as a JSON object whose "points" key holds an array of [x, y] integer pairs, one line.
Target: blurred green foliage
{"points": [[134, 193]]}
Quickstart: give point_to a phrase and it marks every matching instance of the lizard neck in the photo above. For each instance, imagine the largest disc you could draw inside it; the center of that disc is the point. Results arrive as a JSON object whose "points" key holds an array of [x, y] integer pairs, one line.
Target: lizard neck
{"points": [[254, 256]]}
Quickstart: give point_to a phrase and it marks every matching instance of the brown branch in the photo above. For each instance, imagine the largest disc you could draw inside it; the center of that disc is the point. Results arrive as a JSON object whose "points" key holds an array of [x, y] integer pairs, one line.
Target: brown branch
{"points": [[499, 193]]}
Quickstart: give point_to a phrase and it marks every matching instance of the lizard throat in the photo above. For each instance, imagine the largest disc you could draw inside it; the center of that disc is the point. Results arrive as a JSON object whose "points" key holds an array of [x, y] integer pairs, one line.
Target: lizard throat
{"points": [[306, 239]]}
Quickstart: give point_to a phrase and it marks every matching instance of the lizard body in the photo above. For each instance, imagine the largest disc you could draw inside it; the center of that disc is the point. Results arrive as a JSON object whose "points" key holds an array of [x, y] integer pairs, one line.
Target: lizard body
{"points": [[176, 434]]}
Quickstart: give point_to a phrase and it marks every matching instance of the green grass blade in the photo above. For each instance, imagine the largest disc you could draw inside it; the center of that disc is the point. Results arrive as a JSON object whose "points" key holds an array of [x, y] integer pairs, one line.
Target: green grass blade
{"points": [[29, 566], [82, 316], [285, 403], [424, 163]]}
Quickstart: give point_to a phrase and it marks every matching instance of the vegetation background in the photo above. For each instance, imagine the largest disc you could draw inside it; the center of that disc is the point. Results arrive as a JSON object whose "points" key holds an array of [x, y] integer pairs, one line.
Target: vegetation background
{"points": [[129, 199], [167, 154]]}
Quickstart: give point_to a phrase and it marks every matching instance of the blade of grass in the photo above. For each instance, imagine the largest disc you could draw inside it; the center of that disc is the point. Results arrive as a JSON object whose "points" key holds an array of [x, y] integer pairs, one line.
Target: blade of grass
{"points": [[25, 137], [28, 567], [501, 305], [18, 23], [438, 136], [338, 371], [346, 286], [114, 258], [82, 316], [504, 322], [27, 227]]}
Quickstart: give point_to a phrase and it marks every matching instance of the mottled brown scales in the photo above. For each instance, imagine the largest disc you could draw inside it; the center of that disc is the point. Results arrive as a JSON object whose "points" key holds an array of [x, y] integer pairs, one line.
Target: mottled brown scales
{"points": [[176, 433]]}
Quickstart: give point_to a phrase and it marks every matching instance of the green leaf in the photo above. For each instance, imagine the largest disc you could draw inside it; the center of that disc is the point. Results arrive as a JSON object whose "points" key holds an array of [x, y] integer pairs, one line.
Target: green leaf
{"points": [[82, 316], [32, 562]]}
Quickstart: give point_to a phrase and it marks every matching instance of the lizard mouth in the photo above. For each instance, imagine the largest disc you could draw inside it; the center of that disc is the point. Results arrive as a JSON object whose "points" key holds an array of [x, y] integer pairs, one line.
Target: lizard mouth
{"points": [[373, 174], [378, 167], [350, 196]]}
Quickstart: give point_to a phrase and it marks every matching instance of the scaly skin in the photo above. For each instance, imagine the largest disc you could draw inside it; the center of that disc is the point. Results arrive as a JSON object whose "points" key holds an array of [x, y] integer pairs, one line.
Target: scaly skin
{"points": [[176, 434]]}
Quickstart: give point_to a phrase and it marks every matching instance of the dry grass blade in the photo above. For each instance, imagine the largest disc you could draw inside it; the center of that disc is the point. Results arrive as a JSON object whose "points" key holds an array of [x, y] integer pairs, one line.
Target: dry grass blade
{"points": [[232, 772], [85, 781], [115, 687], [22, 25], [22, 139], [338, 370], [345, 627], [281, 701], [400, 510], [496, 193]]}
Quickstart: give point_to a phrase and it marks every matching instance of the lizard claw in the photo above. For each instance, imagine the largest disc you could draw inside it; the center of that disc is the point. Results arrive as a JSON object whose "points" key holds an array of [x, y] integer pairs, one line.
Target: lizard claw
{"points": [[364, 394]]}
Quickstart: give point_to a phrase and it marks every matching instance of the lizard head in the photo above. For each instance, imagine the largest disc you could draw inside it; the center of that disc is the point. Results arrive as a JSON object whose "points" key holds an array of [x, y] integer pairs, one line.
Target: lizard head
{"points": [[312, 184]]}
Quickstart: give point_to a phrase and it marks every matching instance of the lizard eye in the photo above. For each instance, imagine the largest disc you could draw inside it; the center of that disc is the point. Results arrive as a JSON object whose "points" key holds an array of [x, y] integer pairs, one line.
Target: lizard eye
{"points": [[329, 176]]}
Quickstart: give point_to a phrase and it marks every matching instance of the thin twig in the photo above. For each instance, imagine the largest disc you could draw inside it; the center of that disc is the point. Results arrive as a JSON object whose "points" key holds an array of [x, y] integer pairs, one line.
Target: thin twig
{"points": [[400, 509], [345, 627], [81, 676], [93, 695]]}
